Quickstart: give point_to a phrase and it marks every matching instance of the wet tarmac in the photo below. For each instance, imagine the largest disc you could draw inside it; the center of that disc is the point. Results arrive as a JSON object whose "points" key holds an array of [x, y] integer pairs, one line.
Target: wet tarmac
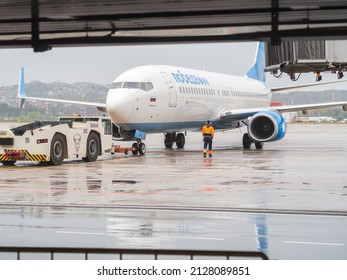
{"points": [[288, 200]]}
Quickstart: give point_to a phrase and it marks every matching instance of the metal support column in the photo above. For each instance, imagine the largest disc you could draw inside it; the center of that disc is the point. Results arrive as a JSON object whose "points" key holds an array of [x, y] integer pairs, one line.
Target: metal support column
{"points": [[35, 29], [275, 39]]}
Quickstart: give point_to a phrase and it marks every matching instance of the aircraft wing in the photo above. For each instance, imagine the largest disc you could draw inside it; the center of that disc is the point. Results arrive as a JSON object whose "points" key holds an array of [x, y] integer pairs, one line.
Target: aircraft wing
{"points": [[238, 115], [100, 106], [242, 114], [307, 107], [21, 94]]}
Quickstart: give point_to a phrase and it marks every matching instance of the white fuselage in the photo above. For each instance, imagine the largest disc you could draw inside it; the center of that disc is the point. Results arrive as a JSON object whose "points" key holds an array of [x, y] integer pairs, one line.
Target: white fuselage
{"points": [[168, 98]]}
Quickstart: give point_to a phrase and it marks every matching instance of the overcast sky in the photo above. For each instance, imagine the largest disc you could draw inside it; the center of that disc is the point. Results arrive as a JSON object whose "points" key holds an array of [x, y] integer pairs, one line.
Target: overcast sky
{"points": [[103, 64]]}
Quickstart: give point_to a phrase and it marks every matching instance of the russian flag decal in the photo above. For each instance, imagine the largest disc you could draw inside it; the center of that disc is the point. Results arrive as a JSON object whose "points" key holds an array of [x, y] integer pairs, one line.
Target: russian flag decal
{"points": [[152, 101]]}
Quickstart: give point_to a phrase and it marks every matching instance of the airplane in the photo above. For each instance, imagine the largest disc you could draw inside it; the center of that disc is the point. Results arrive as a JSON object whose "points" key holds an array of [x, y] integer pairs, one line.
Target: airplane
{"points": [[173, 100]]}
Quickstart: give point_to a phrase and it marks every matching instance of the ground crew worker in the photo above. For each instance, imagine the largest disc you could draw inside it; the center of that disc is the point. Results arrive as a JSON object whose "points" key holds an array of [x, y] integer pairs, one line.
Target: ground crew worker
{"points": [[208, 134]]}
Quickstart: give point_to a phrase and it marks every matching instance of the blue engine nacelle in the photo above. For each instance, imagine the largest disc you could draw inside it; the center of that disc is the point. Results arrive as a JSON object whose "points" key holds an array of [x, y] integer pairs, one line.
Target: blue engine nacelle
{"points": [[267, 126]]}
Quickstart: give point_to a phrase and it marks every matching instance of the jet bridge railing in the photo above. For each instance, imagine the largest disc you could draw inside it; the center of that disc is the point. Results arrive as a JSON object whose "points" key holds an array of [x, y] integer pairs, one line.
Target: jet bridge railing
{"points": [[122, 254]]}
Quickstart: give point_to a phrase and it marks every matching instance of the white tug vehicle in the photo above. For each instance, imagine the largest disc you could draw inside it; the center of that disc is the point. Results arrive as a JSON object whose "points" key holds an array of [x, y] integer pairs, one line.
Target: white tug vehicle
{"points": [[54, 141]]}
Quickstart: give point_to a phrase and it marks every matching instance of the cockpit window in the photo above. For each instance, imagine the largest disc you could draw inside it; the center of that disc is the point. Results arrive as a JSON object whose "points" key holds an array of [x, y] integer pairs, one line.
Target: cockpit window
{"points": [[149, 86], [117, 85], [145, 86], [131, 85]]}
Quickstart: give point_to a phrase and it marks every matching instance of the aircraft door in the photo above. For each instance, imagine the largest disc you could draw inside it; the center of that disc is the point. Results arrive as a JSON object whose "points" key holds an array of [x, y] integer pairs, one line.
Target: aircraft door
{"points": [[172, 89]]}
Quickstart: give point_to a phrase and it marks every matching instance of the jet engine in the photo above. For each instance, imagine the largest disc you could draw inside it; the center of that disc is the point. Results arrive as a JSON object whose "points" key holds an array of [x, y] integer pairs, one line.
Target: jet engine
{"points": [[267, 126]]}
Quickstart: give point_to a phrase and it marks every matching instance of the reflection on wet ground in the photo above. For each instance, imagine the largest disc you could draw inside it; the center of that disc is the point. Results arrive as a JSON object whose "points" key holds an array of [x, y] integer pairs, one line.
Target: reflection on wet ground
{"points": [[288, 200]]}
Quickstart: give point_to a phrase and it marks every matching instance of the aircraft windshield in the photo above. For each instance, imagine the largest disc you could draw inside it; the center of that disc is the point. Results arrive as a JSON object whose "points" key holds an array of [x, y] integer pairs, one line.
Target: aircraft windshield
{"points": [[146, 86], [117, 85]]}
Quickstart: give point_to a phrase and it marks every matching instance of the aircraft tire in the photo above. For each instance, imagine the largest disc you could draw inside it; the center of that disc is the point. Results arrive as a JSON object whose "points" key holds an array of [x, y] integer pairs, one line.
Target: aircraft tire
{"points": [[246, 141], [58, 149], [93, 147], [9, 163], [259, 145], [142, 149], [168, 145], [180, 140], [168, 141], [135, 149]]}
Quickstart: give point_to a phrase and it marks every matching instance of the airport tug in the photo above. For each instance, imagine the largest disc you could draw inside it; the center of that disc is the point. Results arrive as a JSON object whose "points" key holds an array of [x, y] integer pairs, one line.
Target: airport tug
{"points": [[54, 141]]}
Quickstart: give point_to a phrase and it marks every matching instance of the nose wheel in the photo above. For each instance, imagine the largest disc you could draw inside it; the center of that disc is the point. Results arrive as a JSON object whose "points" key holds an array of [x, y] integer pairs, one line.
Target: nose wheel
{"points": [[138, 148], [142, 149]]}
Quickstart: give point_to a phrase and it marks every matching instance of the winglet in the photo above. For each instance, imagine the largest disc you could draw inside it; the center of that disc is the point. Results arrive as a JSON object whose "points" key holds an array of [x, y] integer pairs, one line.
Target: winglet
{"points": [[21, 87], [257, 70]]}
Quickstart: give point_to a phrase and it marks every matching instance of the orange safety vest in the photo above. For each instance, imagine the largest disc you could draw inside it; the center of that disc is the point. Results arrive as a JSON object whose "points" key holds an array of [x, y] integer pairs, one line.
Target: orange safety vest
{"points": [[208, 131]]}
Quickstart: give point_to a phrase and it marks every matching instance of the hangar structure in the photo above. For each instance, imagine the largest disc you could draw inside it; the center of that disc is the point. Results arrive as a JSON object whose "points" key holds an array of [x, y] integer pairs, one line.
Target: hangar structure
{"points": [[43, 24]]}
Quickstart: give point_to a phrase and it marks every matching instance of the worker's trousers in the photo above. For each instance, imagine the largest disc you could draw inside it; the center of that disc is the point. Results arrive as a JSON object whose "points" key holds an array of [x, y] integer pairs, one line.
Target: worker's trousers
{"points": [[208, 145]]}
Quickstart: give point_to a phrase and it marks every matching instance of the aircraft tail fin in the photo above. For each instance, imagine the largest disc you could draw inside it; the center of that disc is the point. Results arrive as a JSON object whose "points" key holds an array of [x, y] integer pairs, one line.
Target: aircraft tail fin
{"points": [[257, 70], [21, 87]]}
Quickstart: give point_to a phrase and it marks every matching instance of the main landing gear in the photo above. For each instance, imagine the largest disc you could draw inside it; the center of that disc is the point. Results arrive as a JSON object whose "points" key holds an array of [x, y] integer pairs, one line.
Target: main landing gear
{"points": [[171, 138], [247, 142]]}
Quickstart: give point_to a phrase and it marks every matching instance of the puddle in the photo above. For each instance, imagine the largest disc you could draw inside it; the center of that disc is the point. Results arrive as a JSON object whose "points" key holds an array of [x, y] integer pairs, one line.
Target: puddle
{"points": [[93, 186], [240, 182], [11, 181], [123, 182], [58, 183]]}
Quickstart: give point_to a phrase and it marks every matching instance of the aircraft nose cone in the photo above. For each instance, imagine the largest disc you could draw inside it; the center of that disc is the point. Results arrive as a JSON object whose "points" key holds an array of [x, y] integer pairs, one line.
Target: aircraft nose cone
{"points": [[119, 106]]}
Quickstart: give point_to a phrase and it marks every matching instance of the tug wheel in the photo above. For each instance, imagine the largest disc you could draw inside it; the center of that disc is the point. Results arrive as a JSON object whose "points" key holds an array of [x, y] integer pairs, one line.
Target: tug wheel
{"points": [[93, 147], [58, 149]]}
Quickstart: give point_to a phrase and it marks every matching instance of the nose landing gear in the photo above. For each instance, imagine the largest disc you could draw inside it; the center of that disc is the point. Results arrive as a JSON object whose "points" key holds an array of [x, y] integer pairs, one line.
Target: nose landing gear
{"points": [[138, 148]]}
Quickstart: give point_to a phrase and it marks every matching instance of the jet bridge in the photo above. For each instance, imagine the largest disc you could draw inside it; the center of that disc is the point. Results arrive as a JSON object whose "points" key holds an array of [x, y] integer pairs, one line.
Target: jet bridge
{"points": [[294, 58]]}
